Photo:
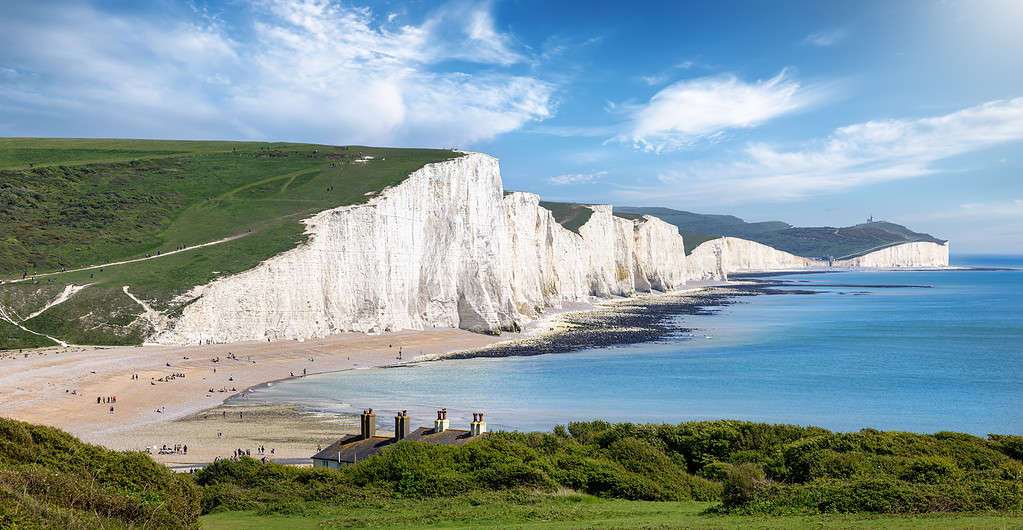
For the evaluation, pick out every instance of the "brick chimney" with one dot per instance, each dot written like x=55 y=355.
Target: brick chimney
x=478 y=425
x=441 y=423
x=401 y=426
x=369 y=424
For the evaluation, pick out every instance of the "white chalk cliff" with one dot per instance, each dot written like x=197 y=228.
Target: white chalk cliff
x=916 y=254
x=447 y=248
x=717 y=258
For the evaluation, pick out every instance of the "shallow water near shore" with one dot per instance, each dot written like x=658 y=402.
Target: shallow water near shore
x=948 y=357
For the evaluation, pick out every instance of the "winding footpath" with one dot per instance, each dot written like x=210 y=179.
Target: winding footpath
x=136 y=260
x=70 y=290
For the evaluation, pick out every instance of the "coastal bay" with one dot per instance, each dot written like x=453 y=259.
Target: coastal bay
x=902 y=358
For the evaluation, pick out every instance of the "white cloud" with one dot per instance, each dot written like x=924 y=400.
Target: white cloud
x=826 y=38
x=653 y=80
x=856 y=155
x=1010 y=209
x=305 y=69
x=576 y=178
x=700 y=109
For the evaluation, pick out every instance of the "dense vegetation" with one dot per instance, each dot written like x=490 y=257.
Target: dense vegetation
x=50 y=479
x=70 y=203
x=728 y=469
x=812 y=242
x=750 y=468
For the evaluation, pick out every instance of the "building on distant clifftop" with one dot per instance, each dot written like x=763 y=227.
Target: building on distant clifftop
x=356 y=447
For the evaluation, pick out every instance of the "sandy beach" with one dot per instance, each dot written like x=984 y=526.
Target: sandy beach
x=60 y=386
x=175 y=395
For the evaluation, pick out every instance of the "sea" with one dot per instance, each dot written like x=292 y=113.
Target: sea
x=946 y=357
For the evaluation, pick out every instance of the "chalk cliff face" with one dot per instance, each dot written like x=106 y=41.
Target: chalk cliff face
x=918 y=254
x=715 y=259
x=610 y=256
x=444 y=248
x=424 y=253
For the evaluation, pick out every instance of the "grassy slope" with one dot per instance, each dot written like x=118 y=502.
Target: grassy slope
x=705 y=223
x=569 y=215
x=49 y=479
x=12 y=337
x=572 y=511
x=844 y=242
x=99 y=201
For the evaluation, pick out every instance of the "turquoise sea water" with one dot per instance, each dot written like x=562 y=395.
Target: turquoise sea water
x=923 y=360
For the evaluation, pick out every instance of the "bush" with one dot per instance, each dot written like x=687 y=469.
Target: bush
x=742 y=482
x=49 y=478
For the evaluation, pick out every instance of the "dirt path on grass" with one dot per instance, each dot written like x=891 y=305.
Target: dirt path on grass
x=136 y=260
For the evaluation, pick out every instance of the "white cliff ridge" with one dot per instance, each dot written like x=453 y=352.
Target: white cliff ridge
x=443 y=248
x=916 y=254
x=447 y=248
x=717 y=258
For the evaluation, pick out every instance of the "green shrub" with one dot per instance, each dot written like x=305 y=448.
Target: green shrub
x=931 y=469
x=49 y=478
x=742 y=482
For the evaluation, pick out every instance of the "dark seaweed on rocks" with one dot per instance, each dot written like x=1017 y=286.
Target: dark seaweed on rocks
x=630 y=321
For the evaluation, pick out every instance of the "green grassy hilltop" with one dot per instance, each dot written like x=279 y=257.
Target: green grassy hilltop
x=810 y=242
x=72 y=203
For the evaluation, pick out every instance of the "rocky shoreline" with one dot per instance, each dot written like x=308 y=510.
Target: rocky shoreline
x=633 y=320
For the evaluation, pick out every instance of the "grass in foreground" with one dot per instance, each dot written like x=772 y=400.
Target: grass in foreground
x=720 y=474
x=528 y=510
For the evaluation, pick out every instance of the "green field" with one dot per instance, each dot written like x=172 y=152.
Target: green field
x=570 y=511
x=72 y=203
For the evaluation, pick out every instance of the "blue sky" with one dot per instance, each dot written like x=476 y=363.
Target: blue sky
x=815 y=113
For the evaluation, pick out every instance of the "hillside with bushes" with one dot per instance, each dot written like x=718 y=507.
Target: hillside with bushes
x=700 y=473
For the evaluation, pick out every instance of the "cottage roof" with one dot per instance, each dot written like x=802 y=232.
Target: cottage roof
x=446 y=437
x=354 y=448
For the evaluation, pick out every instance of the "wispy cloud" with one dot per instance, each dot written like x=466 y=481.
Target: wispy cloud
x=576 y=178
x=662 y=77
x=856 y=155
x=303 y=69
x=699 y=109
x=573 y=130
x=1008 y=209
x=826 y=38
